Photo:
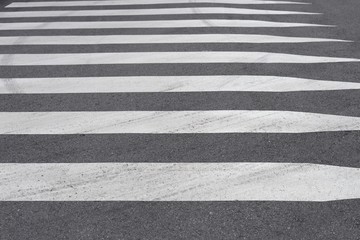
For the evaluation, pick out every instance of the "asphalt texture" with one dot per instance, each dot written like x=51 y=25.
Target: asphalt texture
x=190 y=220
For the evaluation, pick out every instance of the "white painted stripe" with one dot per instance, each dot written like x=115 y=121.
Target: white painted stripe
x=158 y=122
x=173 y=38
x=177 y=182
x=139 y=2
x=161 y=11
x=161 y=58
x=169 y=84
x=152 y=24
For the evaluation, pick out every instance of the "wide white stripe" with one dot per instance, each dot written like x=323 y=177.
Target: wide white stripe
x=177 y=182
x=139 y=2
x=161 y=11
x=152 y=24
x=169 y=84
x=156 y=122
x=161 y=57
x=173 y=38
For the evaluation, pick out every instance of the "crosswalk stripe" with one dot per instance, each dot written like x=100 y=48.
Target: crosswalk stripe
x=177 y=182
x=138 y=2
x=166 y=38
x=169 y=84
x=162 y=57
x=165 y=122
x=205 y=23
x=160 y=11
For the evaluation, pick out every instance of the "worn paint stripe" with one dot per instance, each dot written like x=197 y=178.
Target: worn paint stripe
x=177 y=182
x=206 y=23
x=160 y=11
x=166 y=38
x=157 y=122
x=162 y=57
x=228 y=83
x=137 y=2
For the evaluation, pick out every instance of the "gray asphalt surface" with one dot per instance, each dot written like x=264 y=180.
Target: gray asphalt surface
x=191 y=220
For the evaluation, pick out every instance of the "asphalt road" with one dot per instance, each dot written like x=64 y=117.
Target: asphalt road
x=48 y=219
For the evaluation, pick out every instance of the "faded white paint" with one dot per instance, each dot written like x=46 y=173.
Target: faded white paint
x=165 y=38
x=229 y=83
x=164 y=122
x=159 y=11
x=139 y=2
x=177 y=182
x=153 y=24
x=162 y=58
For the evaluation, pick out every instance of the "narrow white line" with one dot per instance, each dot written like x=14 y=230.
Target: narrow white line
x=173 y=38
x=161 y=11
x=163 y=122
x=177 y=182
x=169 y=84
x=161 y=58
x=138 y=2
x=152 y=24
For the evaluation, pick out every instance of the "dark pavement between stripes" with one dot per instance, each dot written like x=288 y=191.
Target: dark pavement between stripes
x=42 y=209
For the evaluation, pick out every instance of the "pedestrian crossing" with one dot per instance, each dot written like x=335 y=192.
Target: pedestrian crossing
x=247 y=177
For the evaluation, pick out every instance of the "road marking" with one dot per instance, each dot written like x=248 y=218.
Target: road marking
x=177 y=182
x=160 y=11
x=161 y=58
x=165 y=38
x=153 y=24
x=139 y=2
x=169 y=84
x=165 y=122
